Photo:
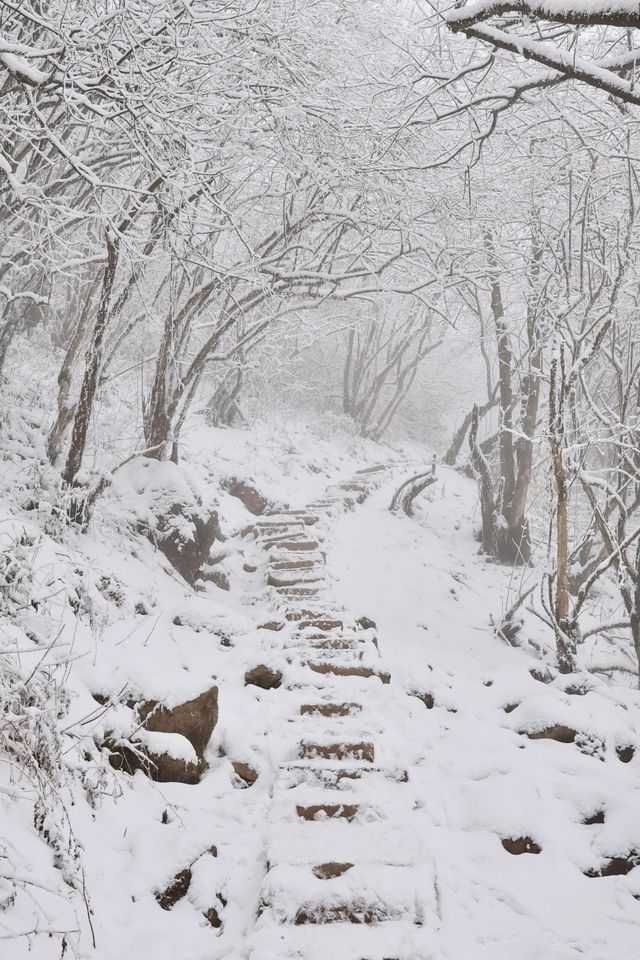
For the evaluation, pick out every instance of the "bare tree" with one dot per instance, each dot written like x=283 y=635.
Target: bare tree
x=383 y=357
x=528 y=28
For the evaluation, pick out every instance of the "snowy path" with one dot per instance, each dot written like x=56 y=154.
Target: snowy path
x=410 y=760
x=348 y=875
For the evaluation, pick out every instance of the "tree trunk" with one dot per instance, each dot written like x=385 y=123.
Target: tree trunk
x=635 y=613
x=455 y=447
x=505 y=362
x=92 y=369
x=485 y=484
x=564 y=623
x=158 y=424
x=66 y=409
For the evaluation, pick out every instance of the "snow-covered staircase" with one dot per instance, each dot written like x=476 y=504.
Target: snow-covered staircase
x=347 y=877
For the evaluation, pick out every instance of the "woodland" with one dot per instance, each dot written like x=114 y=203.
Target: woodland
x=413 y=225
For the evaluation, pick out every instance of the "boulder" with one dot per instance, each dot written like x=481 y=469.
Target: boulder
x=186 y=538
x=171 y=744
x=245 y=772
x=249 y=496
x=195 y=719
x=161 y=501
x=160 y=765
x=264 y=677
x=558 y=732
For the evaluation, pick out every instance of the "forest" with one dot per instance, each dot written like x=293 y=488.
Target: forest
x=319 y=479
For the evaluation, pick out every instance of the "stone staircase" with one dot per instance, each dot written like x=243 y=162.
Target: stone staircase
x=346 y=877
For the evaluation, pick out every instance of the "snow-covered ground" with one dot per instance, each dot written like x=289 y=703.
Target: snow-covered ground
x=477 y=777
x=92 y=621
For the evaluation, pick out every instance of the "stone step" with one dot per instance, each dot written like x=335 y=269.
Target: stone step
x=318 y=623
x=324 y=811
x=311 y=684
x=299 y=563
x=330 y=709
x=337 y=669
x=313 y=750
x=392 y=801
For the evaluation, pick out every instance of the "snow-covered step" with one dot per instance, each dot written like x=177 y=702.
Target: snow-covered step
x=323 y=656
x=279 y=560
x=338 y=776
x=334 y=505
x=387 y=800
x=357 y=895
x=328 y=749
x=355 y=494
x=275 y=528
x=294 y=578
x=301 y=544
x=307 y=842
x=339 y=666
x=315 y=610
x=362 y=726
x=391 y=940
x=285 y=516
x=326 y=644
x=312 y=671
x=313 y=803
x=324 y=810
x=331 y=709
x=333 y=686
x=319 y=621
x=359 y=647
x=295 y=594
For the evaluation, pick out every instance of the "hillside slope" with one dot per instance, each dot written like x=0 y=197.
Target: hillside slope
x=99 y=862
